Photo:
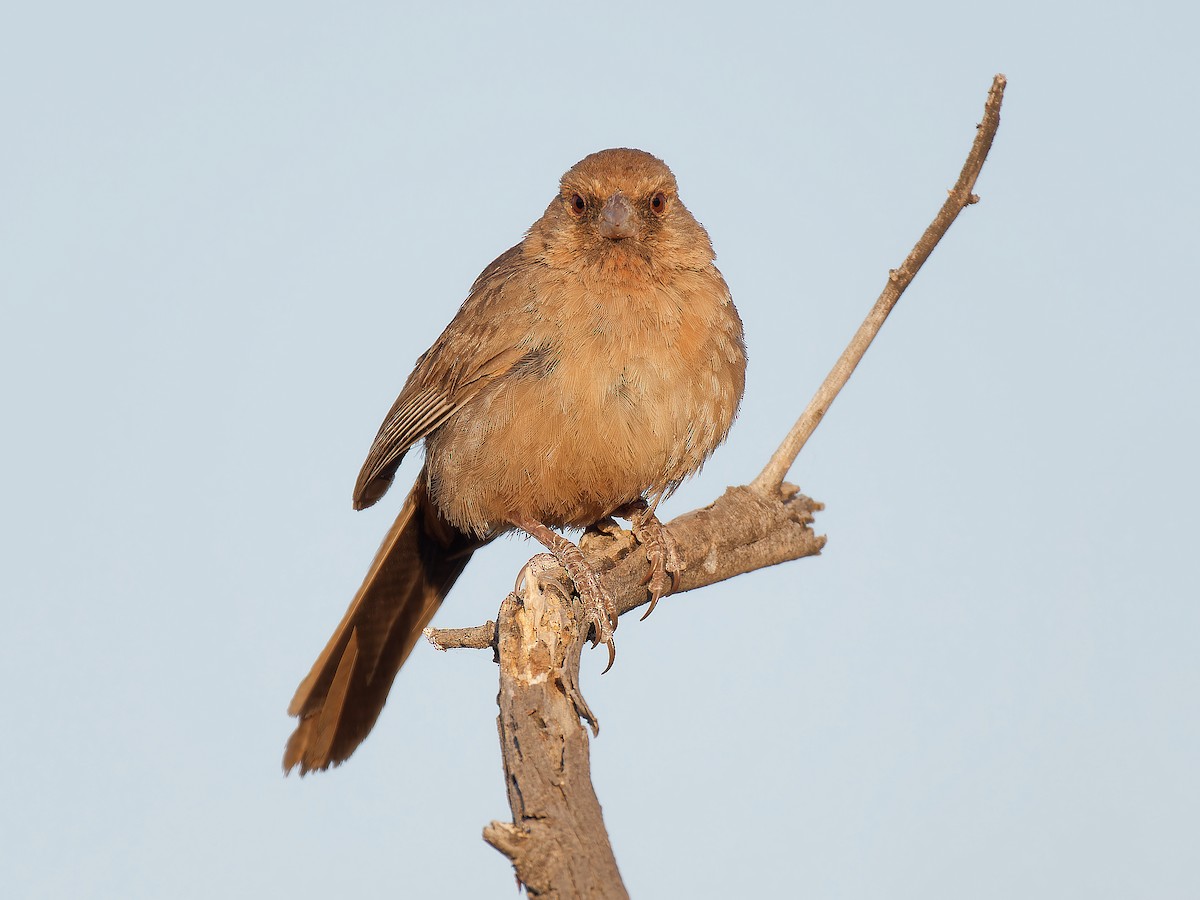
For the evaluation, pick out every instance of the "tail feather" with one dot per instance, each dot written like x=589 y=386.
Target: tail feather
x=338 y=703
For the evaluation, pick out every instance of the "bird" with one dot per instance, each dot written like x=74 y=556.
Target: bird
x=592 y=368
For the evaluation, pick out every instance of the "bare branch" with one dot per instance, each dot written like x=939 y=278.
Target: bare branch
x=741 y=531
x=898 y=279
x=557 y=841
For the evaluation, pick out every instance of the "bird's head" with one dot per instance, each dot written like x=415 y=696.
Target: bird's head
x=619 y=208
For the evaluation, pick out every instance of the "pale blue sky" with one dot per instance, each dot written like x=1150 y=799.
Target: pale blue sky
x=228 y=230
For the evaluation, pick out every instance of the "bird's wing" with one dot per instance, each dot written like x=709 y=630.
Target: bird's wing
x=471 y=353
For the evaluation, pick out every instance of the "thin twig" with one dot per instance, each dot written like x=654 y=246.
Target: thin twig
x=769 y=480
x=480 y=637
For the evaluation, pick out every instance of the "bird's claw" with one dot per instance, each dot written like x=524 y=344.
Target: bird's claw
x=600 y=612
x=666 y=562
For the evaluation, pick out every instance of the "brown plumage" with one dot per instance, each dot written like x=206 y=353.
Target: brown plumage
x=596 y=364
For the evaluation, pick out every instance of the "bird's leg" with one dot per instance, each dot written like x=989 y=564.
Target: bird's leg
x=598 y=605
x=666 y=563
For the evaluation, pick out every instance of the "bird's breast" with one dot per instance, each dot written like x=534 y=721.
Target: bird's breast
x=628 y=392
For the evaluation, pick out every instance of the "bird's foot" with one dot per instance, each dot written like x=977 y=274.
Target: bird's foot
x=666 y=562
x=599 y=609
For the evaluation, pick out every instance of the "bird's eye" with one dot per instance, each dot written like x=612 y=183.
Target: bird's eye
x=658 y=203
x=576 y=204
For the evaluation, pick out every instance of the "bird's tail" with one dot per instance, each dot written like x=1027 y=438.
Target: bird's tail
x=338 y=703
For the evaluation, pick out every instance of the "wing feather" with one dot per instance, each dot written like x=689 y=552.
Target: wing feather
x=470 y=354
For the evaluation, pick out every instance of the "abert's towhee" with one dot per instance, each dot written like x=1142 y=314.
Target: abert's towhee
x=592 y=368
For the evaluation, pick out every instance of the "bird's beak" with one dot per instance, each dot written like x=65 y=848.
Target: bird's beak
x=617 y=218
